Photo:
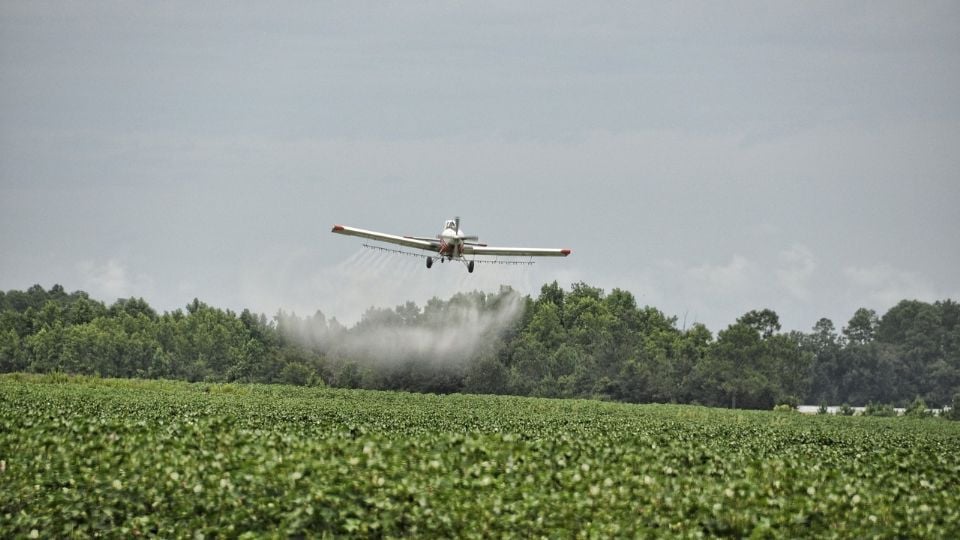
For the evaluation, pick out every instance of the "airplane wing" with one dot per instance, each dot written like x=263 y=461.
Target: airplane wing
x=407 y=241
x=514 y=251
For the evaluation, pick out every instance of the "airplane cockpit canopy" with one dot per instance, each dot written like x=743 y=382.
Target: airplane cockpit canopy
x=450 y=224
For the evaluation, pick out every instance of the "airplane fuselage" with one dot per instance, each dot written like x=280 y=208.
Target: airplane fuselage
x=451 y=242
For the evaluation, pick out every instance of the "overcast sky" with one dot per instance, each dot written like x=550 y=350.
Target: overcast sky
x=711 y=158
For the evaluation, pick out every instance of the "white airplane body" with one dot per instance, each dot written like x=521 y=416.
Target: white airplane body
x=451 y=244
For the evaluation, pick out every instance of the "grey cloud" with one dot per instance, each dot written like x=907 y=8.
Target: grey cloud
x=209 y=148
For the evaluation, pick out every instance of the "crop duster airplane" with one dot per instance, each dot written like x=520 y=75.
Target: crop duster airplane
x=451 y=244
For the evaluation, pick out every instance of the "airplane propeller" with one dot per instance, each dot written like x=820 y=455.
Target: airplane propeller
x=466 y=238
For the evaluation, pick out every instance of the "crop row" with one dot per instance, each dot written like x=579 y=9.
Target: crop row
x=171 y=459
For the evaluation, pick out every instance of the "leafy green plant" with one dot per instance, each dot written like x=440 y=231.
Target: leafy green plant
x=917 y=409
x=954 y=412
x=173 y=459
x=879 y=409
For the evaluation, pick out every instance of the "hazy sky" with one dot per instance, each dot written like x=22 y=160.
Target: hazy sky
x=711 y=158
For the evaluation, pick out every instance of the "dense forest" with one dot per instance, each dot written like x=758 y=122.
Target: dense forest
x=580 y=342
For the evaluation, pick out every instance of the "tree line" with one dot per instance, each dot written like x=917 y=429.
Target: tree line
x=576 y=343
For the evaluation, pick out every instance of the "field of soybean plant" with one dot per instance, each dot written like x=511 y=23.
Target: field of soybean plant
x=86 y=456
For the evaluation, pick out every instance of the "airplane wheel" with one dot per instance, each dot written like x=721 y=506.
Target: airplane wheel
x=429 y=262
x=470 y=267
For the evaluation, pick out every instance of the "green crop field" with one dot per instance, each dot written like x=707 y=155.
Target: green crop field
x=82 y=457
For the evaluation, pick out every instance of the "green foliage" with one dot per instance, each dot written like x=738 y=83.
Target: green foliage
x=917 y=409
x=822 y=409
x=862 y=328
x=737 y=373
x=297 y=374
x=846 y=410
x=170 y=459
x=954 y=412
x=764 y=321
x=879 y=409
x=582 y=343
x=826 y=368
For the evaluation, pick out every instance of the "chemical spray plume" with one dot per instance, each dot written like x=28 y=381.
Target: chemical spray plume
x=441 y=334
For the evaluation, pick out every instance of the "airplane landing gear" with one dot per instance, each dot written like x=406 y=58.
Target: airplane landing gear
x=429 y=262
x=470 y=267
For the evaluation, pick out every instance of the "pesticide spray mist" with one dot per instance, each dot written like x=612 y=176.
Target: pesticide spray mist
x=443 y=333
x=443 y=336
